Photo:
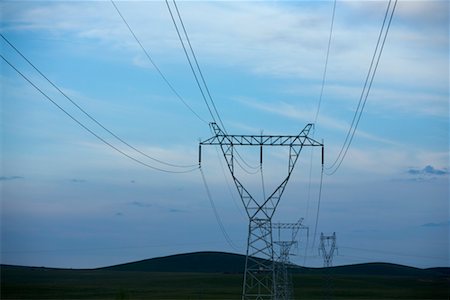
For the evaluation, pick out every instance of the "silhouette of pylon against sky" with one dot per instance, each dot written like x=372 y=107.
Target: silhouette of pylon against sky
x=259 y=275
x=283 y=278
x=327 y=249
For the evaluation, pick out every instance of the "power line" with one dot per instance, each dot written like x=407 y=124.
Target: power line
x=228 y=184
x=155 y=66
x=326 y=63
x=364 y=93
x=244 y=169
x=318 y=208
x=86 y=113
x=200 y=74
x=216 y=214
x=86 y=128
x=317 y=115
x=196 y=63
x=262 y=181
x=190 y=63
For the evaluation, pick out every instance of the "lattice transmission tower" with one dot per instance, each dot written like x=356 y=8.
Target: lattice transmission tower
x=283 y=278
x=327 y=248
x=259 y=275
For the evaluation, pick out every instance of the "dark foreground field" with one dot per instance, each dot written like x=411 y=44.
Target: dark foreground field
x=117 y=283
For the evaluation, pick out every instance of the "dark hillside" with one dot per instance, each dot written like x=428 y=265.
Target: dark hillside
x=382 y=269
x=202 y=275
x=440 y=270
x=220 y=262
x=197 y=262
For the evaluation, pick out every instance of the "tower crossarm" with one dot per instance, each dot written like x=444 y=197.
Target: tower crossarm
x=259 y=276
x=221 y=138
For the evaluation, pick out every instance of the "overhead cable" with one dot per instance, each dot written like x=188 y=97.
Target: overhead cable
x=228 y=184
x=87 y=114
x=89 y=130
x=326 y=63
x=156 y=66
x=314 y=127
x=190 y=63
x=203 y=90
x=365 y=92
x=196 y=63
x=216 y=214
x=318 y=208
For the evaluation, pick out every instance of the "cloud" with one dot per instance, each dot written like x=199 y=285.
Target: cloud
x=175 y=210
x=5 y=178
x=76 y=180
x=432 y=224
x=296 y=113
x=428 y=170
x=139 y=204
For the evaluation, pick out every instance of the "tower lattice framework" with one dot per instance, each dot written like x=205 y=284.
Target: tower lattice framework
x=283 y=278
x=259 y=275
x=327 y=248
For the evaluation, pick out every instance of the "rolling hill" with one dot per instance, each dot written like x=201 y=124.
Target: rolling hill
x=216 y=275
x=221 y=262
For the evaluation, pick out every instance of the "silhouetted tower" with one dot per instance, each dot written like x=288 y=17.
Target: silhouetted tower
x=326 y=248
x=259 y=273
x=283 y=278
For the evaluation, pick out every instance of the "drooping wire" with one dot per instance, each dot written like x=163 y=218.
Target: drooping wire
x=324 y=75
x=86 y=128
x=244 y=169
x=246 y=163
x=200 y=73
x=190 y=62
x=86 y=113
x=228 y=184
x=263 y=184
x=326 y=63
x=318 y=208
x=365 y=93
x=154 y=64
x=306 y=248
x=197 y=64
x=216 y=214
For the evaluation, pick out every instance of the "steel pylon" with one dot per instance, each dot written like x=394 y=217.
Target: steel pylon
x=259 y=275
x=283 y=278
x=327 y=247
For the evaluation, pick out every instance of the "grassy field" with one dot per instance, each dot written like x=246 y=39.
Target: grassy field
x=42 y=283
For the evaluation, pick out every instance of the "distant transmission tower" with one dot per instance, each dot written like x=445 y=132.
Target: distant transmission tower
x=283 y=278
x=326 y=248
x=259 y=276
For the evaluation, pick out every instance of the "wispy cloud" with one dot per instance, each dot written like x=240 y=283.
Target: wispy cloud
x=140 y=204
x=5 y=178
x=440 y=224
x=428 y=170
x=77 y=180
x=305 y=115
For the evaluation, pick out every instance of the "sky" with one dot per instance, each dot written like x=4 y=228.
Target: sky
x=69 y=200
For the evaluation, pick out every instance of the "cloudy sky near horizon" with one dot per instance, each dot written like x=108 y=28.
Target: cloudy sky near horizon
x=68 y=200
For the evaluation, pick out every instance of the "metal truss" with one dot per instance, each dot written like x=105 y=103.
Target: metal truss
x=259 y=273
x=283 y=278
x=326 y=248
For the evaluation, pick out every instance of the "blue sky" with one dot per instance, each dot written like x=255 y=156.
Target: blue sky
x=70 y=201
